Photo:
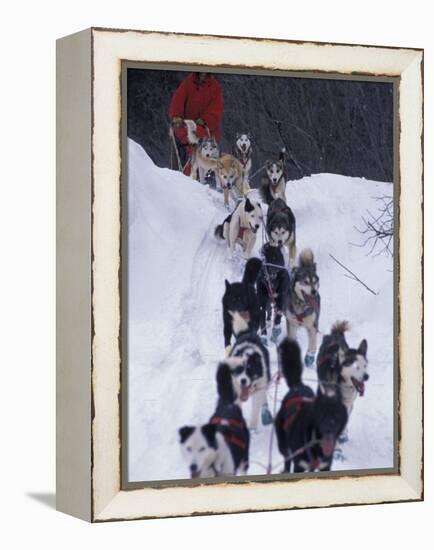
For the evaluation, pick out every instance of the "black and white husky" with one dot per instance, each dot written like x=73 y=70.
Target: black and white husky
x=281 y=226
x=336 y=360
x=249 y=363
x=304 y=303
x=220 y=447
x=241 y=226
x=243 y=152
x=273 y=182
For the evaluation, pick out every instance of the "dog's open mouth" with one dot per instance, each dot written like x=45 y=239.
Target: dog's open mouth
x=244 y=393
x=245 y=315
x=253 y=228
x=195 y=475
x=327 y=444
x=309 y=299
x=360 y=386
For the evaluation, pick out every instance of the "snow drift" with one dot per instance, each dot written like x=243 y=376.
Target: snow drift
x=176 y=272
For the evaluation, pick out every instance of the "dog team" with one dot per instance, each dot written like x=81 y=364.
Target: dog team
x=307 y=424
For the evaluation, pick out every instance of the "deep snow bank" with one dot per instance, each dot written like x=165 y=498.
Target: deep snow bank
x=176 y=280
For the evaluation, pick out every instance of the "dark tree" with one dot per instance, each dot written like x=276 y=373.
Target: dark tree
x=336 y=126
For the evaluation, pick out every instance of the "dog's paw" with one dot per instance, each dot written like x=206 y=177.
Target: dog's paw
x=309 y=358
x=343 y=438
x=228 y=350
x=266 y=416
x=275 y=333
x=338 y=455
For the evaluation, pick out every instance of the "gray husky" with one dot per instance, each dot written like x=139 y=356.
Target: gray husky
x=273 y=182
x=205 y=153
x=281 y=226
x=304 y=302
x=242 y=151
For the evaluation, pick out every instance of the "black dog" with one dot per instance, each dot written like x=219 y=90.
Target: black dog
x=307 y=427
x=229 y=421
x=242 y=298
x=220 y=447
x=272 y=286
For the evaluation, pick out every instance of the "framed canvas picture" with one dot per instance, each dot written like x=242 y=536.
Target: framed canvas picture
x=239 y=274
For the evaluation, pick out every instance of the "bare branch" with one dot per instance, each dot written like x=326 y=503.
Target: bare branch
x=353 y=275
x=378 y=228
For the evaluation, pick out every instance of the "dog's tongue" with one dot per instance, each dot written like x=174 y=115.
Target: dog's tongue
x=328 y=445
x=245 y=315
x=360 y=387
x=195 y=475
x=244 y=393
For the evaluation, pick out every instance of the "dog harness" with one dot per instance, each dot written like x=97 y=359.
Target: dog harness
x=307 y=309
x=229 y=437
x=292 y=407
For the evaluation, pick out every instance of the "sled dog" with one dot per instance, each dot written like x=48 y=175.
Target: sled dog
x=281 y=226
x=241 y=226
x=304 y=302
x=307 y=427
x=349 y=365
x=220 y=447
x=273 y=287
x=249 y=363
x=230 y=175
x=273 y=182
x=242 y=150
x=205 y=153
x=241 y=297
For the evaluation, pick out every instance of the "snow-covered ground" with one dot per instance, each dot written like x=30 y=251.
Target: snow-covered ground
x=176 y=274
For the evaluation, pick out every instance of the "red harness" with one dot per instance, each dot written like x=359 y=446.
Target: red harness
x=230 y=438
x=294 y=404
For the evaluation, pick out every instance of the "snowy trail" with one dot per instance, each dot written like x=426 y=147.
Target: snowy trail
x=175 y=317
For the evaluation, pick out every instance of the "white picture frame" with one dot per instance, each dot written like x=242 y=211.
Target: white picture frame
x=89 y=376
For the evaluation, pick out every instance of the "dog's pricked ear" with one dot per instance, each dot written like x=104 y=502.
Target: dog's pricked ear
x=185 y=432
x=363 y=348
x=227 y=284
x=237 y=135
x=209 y=432
x=248 y=207
x=225 y=388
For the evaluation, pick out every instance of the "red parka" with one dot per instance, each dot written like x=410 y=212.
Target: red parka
x=195 y=99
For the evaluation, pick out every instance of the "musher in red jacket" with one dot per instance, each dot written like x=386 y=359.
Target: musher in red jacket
x=199 y=98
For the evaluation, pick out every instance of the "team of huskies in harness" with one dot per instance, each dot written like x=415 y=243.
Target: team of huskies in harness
x=277 y=286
